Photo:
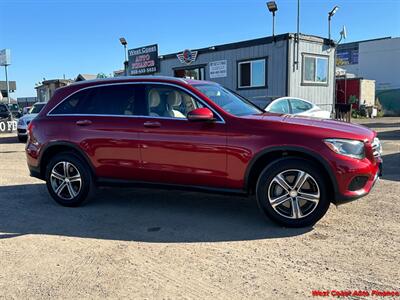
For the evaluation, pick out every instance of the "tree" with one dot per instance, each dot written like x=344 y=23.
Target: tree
x=101 y=75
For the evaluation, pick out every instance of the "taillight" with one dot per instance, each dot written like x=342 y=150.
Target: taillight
x=30 y=127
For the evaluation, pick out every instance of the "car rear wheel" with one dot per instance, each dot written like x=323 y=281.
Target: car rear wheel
x=292 y=192
x=68 y=179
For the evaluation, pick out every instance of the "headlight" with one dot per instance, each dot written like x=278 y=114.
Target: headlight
x=351 y=148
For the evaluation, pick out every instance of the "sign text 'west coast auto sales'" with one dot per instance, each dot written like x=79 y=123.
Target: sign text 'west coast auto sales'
x=143 y=60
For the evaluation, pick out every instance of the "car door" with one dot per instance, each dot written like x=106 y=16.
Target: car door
x=175 y=150
x=103 y=122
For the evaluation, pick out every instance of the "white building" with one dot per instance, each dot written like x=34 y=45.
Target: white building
x=378 y=60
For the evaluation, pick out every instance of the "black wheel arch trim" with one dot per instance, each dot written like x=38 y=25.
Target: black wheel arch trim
x=305 y=151
x=65 y=144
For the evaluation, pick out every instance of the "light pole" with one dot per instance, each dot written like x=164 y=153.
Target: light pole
x=8 y=85
x=272 y=7
x=330 y=15
x=343 y=35
x=125 y=43
x=5 y=60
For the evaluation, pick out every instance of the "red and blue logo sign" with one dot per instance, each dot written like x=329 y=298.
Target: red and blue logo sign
x=187 y=56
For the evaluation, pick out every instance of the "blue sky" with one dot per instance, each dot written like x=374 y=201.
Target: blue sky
x=53 y=38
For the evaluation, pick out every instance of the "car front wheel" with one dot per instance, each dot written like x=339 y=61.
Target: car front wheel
x=68 y=179
x=292 y=192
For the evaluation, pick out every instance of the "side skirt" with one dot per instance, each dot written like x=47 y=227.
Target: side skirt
x=102 y=181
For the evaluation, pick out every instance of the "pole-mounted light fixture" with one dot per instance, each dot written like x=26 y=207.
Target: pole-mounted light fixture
x=124 y=43
x=272 y=7
x=330 y=15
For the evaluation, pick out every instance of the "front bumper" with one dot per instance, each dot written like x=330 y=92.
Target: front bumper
x=349 y=196
x=21 y=130
x=35 y=172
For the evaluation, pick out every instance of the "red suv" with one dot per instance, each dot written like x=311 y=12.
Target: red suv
x=178 y=133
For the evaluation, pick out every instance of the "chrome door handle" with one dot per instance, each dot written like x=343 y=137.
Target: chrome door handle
x=152 y=124
x=83 y=122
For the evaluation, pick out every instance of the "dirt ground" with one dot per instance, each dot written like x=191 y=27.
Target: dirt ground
x=136 y=243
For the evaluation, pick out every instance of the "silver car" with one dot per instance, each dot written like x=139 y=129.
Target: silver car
x=24 y=121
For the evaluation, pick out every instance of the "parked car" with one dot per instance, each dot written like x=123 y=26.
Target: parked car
x=296 y=106
x=5 y=114
x=180 y=133
x=24 y=121
x=15 y=110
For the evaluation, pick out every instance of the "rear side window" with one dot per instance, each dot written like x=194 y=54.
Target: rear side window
x=299 y=106
x=106 y=100
x=280 y=107
x=70 y=105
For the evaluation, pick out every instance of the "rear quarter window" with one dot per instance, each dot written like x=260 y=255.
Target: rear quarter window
x=121 y=100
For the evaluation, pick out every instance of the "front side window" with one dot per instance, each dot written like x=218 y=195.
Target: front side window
x=279 y=107
x=315 y=69
x=251 y=74
x=299 y=106
x=170 y=102
x=228 y=101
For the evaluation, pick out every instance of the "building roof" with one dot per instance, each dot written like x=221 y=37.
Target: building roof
x=82 y=77
x=12 y=85
x=354 y=45
x=50 y=81
x=256 y=42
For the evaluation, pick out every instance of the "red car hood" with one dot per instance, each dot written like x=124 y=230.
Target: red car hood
x=342 y=129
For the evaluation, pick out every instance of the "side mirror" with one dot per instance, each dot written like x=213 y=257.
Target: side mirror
x=200 y=114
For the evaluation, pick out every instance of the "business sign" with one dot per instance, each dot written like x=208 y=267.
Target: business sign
x=5 y=57
x=187 y=56
x=347 y=57
x=218 y=69
x=143 y=60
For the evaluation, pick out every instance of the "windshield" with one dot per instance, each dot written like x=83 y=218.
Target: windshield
x=228 y=101
x=13 y=107
x=36 y=108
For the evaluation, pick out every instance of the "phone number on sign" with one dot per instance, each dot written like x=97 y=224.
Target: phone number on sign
x=355 y=293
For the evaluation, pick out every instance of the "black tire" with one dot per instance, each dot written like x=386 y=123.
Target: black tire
x=85 y=173
x=22 y=139
x=267 y=183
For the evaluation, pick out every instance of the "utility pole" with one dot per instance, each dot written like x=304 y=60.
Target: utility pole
x=125 y=43
x=8 y=85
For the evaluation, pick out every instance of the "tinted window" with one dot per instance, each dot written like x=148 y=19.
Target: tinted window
x=280 y=107
x=70 y=106
x=167 y=101
x=245 y=74
x=299 y=106
x=106 y=100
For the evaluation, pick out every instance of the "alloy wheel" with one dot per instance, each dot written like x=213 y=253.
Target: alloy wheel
x=66 y=180
x=293 y=194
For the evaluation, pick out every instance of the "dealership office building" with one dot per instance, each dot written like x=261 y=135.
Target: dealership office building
x=278 y=66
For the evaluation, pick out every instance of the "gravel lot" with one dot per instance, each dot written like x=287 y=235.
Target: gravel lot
x=136 y=243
